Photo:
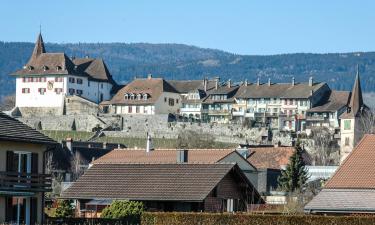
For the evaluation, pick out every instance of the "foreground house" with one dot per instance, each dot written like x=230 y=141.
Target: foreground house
x=22 y=182
x=47 y=79
x=220 y=187
x=351 y=190
x=147 y=96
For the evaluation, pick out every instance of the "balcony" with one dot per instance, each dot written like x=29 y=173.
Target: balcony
x=238 y=113
x=316 y=118
x=14 y=181
x=266 y=114
x=217 y=111
x=188 y=110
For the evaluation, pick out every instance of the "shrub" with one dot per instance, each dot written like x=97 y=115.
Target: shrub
x=123 y=209
x=64 y=209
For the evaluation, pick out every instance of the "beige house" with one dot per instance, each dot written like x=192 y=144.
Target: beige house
x=22 y=182
x=147 y=96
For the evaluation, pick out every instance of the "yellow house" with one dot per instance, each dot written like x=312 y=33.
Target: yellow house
x=22 y=182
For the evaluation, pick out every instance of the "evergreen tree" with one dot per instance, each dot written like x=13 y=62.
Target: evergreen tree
x=64 y=209
x=294 y=178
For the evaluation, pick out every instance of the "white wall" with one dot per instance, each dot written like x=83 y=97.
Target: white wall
x=51 y=99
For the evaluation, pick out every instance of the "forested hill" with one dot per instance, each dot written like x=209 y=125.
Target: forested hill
x=177 y=61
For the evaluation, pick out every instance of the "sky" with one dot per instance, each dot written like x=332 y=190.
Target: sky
x=252 y=27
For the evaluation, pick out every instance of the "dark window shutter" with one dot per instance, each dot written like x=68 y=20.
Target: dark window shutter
x=34 y=163
x=9 y=163
x=33 y=210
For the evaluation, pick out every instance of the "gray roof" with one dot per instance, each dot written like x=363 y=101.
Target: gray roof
x=279 y=90
x=154 y=182
x=185 y=86
x=343 y=201
x=335 y=101
x=14 y=130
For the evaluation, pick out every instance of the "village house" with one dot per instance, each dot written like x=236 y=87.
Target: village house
x=219 y=187
x=351 y=190
x=48 y=79
x=217 y=106
x=279 y=106
x=22 y=179
x=147 y=96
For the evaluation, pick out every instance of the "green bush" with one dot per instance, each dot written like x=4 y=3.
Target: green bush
x=123 y=209
x=64 y=209
x=249 y=219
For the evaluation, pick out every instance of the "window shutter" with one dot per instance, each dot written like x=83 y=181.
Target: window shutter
x=9 y=163
x=34 y=163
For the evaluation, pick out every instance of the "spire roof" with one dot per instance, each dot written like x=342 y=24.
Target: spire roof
x=39 y=47
x=356 y=100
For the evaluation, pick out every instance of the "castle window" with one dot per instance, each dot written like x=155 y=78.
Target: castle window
x=30 y=68
x=139 y=96
x=171 y=102
x=44 y=68
x=41 y=91
x=347 y=140
x=137 y=109
x=72 y=80
x=132 y=96
x=101 y=85
x=58 y=90
x=79 y=81
x=126 y=96
x=347 y=124
x=58 y=79
x=58 y=68
x=144 y=96
x=71 y=91
x=25 y=90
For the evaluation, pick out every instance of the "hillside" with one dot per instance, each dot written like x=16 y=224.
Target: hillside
x=176 y=61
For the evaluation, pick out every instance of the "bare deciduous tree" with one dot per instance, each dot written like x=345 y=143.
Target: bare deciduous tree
x=367 y=122
x=8 y=102
x=324 y=147
x=192 y=139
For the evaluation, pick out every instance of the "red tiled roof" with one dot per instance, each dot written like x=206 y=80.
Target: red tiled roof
x=358 y=170
x=270 y=157
x=128 y=156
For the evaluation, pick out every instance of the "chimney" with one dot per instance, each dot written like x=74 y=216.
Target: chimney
x=69 y=144
x=229 y=83
x=149 y=147
x=205 y=84
x=258 y=81
x=245 y=82
x=293 y=81
x=149 y=76
x=182 y=155
x=311 y=81
x=269 y=81
x=217 y=80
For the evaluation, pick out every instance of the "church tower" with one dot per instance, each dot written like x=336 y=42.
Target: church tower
x=350 y=125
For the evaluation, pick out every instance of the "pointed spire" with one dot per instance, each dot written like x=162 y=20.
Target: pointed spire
x=356 y=100
x=39 y=46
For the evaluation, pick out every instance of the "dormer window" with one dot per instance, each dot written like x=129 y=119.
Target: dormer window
x=144 y=96
x=44 y=68
x=132 y=96
x=126 y=96
x=30 y=68
x=139 y=96
x=58 y=68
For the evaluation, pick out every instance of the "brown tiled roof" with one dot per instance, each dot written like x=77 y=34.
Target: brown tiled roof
x=154 y=87
x=335 y=101
x=163 y=182
x=358 y=170
x=279 y=90
x=14 y=130
x=163 y=156
x=42 y=63
x=185 y=86
x=270 y=157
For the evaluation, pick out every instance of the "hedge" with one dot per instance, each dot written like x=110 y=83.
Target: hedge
x=249 y=219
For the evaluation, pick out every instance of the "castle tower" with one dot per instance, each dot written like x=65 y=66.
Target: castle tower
x=350 y=124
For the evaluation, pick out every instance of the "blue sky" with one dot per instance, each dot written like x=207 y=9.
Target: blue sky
x=239 y=26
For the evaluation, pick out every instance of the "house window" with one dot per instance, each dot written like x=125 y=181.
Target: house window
x=347 y=141
x=139 y=96
x=130 y=109
x=126 y=96
x=24 y=80
x=171 y=102
x=79 y=81
x=41 y=91
x=71 y=91
x=176 y=101
x=79 y=92
x=58 y=79
x=25 y=90
x=347 y=124
x=137 y=109
x=58 y=90
x=101 y=85
x=165 y=99
x=144 y=96
x=72 y=80
x=88 y=83
x=42 y=79
x=132 y=96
